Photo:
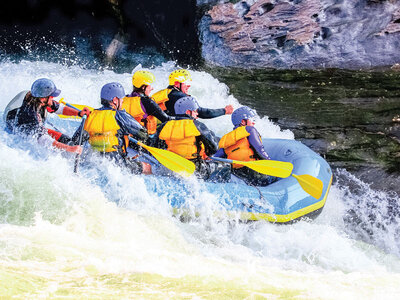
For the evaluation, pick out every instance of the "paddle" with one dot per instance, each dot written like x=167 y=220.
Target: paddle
x=79 y=143
x=309 y=184
x=169 y=159
x=268 y=167
x=75 y=106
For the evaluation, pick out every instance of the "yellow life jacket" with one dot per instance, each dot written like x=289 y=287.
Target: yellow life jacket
x=133 y=106
x=102 y=128
x=180 y=136
x=237 y=146
x=161 y=97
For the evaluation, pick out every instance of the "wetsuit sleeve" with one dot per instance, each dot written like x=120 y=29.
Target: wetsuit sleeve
x=209 y=113
x=129 y=125
x=220 y=153
x=152 y=109
x=256 y=142
x=208 y=138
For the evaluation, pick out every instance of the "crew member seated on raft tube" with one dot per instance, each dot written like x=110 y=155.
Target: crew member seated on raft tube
x=140 y=106
x=244 y=143
x=109 y=127
x=29 y=119
x=179 y=84
x=190 y=138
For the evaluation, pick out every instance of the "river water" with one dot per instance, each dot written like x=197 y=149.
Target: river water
x=64 y=235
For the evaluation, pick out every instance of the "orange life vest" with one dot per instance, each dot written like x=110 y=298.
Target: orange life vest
x=180 y=136
x=133 y=106
x=161 y=97
x=102 y=128
x=237 y=146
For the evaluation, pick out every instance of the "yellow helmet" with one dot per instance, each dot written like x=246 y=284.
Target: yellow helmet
x=142 y=77
x=181 y=76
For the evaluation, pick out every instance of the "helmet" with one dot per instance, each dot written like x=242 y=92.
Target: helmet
x=142 y=77
x=184 y=104
x=111 y=90
x=181 y=76
x=44 y=87
x=242 y=113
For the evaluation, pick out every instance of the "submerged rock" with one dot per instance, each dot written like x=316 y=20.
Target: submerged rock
x=288 y=34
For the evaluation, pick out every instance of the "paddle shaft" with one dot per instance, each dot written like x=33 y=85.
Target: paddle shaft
x=168 y=159
x=79 y=143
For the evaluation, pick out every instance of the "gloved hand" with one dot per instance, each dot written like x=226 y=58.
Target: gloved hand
x=228 y=109
x=146 y=168
x=75 y=149
x=85 y=111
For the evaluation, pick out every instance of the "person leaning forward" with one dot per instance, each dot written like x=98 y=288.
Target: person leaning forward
x=139 y=105
x=29 y=119
x=179 y=84
x=244 y=143
x=188 y=137
x=109 y=127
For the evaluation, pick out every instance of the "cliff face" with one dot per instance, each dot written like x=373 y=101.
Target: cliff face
x=348 y=34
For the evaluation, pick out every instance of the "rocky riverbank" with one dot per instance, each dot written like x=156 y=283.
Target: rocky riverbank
x=350 y=117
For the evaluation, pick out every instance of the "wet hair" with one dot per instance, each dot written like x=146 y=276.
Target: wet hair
x=139 y=90
x=33 y=101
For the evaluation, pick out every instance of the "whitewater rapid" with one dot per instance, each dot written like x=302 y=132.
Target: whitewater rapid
x=68 y=235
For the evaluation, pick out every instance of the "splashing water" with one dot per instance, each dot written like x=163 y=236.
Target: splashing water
x=66 y=235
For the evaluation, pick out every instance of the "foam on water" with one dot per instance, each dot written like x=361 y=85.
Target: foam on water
x=63 y=234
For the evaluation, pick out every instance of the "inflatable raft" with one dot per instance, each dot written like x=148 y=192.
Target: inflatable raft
x=283 y=201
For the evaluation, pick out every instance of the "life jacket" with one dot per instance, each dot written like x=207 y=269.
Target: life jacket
x=236 y=146
x=180 y=136
x=102 y=128
x=133 y=106
x=161 y=97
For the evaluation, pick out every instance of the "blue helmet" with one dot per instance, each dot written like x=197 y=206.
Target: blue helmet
x=184 y=104
x=111 y=90
x=242 y=113
x=44 y=87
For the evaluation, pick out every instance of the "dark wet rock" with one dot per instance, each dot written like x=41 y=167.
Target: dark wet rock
x=302 y=34
x=349 y=117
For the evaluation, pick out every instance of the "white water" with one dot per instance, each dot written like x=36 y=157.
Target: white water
x=61 y=235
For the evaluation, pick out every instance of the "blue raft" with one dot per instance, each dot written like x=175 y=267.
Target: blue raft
x=282 y=201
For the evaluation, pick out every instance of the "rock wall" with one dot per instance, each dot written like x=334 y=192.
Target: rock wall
x=287 y=34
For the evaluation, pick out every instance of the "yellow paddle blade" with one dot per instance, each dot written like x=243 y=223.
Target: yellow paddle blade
x=171 y=160
x=310 y=184
x=275 y=168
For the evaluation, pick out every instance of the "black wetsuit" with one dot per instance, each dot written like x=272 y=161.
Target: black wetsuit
x=29 y=119
x=204 y=113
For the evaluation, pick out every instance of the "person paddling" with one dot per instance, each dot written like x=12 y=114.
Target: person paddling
x=188 y=137
x=29 y=119
x=244 y=143
x=109 y=127
x=179 y=84
x=139 y=105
